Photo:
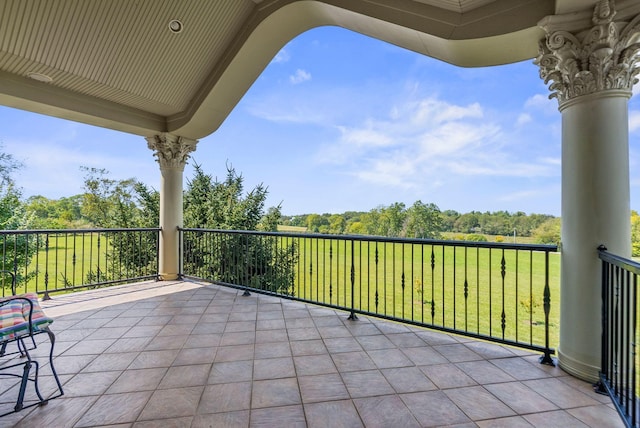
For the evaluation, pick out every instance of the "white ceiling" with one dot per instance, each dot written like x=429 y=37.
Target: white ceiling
x=117 y=64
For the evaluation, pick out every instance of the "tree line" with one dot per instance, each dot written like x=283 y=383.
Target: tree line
x=422 y=220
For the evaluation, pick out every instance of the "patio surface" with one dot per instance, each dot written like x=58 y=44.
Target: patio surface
x=184 y=354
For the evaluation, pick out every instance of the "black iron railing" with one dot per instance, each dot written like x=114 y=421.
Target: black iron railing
x=619 y=373
x=497 y=292
x=49 y=261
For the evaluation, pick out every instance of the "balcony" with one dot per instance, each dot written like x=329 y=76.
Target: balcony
x=272 y=329
x=196 y=354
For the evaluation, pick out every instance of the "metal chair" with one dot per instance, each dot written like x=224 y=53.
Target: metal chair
x=21 y=320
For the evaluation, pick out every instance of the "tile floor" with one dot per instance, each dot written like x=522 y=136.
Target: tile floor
x=183 y=354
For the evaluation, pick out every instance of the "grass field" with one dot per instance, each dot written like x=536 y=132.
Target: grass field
x=74 y=259
x=484 y=291
x=463 y=288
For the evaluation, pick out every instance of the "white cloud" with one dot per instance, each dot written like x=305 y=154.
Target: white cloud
x=281 y=57
x=426 y=140
x=523 y=119
x=299 y=77
x=53 y=169
x=542 y=103
x=365 y=137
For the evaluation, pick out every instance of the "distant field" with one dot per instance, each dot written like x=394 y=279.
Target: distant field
x=491 y=238
x=293 y=229
x=455 y=236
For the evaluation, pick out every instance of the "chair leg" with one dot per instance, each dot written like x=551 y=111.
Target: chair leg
x=52 y=339
x=23 y=385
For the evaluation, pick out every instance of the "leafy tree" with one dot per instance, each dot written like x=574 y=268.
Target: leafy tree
x=392 y=220
x=548 y=232
x=16 y=249
x=423 y=221
x=337 y=224
x=316 y=222
x=109 y=203
x=635 y=234
x=257 y=261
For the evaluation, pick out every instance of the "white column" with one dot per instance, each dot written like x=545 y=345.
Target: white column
x=172 y=153
x=592 y=70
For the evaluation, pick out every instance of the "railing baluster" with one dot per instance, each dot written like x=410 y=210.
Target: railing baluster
x=618 y=374
x=312 y=267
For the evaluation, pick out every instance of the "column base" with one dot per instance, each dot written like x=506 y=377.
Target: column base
x=168 y=276
x=578 y=369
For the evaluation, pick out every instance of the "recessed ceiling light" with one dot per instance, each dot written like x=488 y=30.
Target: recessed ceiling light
x=175 y=26
x=39 y=77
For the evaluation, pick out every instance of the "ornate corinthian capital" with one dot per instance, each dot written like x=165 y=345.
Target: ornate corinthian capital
x=171 y=151
x=600 y=58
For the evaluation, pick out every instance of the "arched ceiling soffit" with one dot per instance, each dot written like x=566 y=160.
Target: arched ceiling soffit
x=494 y=32
x=115 y=64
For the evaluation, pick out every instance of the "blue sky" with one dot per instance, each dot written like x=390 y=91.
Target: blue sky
x=342 y=122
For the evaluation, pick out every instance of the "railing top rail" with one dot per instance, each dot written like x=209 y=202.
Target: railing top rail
x=627 y=264
x=76 y=231
x=372 y=238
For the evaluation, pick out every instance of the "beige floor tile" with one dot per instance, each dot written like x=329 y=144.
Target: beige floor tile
x=367 y=383
x=334 y=414
x=307 y=333
x=172 y=403
x=562 y=394
x=231 y=371
x=372 y=342
x=597 y=416
x=189 y=356
x=484 y=372
x=61 y=412
x=226 y=397
x=308 y=347
x=114 y=409
x=238 y=419
x=353 y=361
x=389 y=358
x=235 y=353
x=151 y=359
x=558 y=418
x=508 y=422
x=183 y=376
x=433 y=408
x=446 y=376
x=520 y=369
x=478 y=404
x=520 y=398
x=342 y=344
x=138 y=380
x=457 y=353
x=275 y=393
x=385 y=411
x=307 y=365
x=424 y=356
x=109 y=362
x=270 y=336
x=408 y=379
x=275 y=417
x=406 y=340
x=87 y=384
x=325 y=387
x=273 y=368
x=184 y=422
x=272 y=350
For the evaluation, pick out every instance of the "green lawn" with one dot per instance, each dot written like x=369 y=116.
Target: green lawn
x=464 y=289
